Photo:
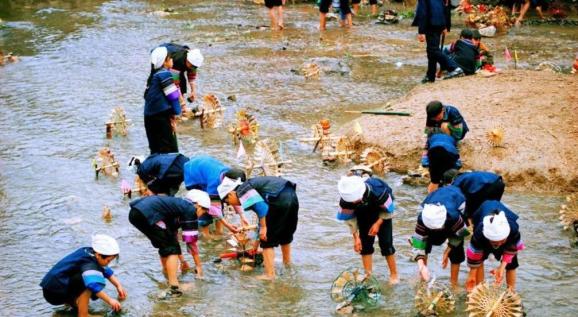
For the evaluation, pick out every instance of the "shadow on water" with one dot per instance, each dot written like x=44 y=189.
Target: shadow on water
x=83 y=58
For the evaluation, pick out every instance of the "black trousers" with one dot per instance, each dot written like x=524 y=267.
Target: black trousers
x=435 y=55
x=160 y=134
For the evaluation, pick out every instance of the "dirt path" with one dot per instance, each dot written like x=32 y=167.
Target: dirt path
x=537 y=110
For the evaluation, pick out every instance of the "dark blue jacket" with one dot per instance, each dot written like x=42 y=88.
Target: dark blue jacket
x=443 y=140
x=81 y=261
x=378 y=199
x=179 y=56
x=157 y=167
x=490 y=207
x=472 y=182
x=162 y=94
x=432 y=15
x=174 y=212
x=452 y=116
x=449 y=196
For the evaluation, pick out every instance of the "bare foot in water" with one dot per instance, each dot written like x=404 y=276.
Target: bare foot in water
x=393 y=280
x=265 y=277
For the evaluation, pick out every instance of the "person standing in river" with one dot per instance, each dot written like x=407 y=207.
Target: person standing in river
x=186 y=61
x=162 y=173
x=276 y=13
x=275 y=202
x=367 y=207
x=161 y=104
x=433 y=19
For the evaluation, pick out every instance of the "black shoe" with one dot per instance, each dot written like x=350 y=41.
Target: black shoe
x=426 y=80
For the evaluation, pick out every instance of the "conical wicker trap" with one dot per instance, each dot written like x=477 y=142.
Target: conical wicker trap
x=266 y=160
x=211 y=112
x=118 y=123
x=375 y=159
x=352 y=287
x=492 y=301
x=344 y=150
x=246 y=128
x=311 y=71
x=104 y=162
x=495 y=137
x=434 y=299
x=569 y=213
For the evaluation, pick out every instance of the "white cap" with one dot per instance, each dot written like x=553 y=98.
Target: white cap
x=195 y=58
x=496 y=227
x=227 y=186
x=199 y=197
x=434 y=216
x=351 y=188
x=132 y=166
x=105 y=245
x=361 y=167
x=158 y=56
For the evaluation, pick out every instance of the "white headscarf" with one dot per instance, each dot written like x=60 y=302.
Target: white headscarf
x=434 y=215
x=158 y=56
x=351 y=188
x=496 y=227
x=105 y=245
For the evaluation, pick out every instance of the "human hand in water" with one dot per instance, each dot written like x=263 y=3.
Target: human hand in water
x=421 y=37
x=498 y=274
x=114 y=304
x=121 y=292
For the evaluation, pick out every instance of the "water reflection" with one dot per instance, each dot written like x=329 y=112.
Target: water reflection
x=91 y=57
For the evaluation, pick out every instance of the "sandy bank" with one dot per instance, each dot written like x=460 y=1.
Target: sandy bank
x=538 y=111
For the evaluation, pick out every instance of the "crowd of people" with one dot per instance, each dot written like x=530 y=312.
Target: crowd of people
x=458 y=205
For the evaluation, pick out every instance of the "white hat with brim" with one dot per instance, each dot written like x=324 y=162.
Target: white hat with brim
x=158 y=56
x=496 y=227
x=199 y=197
x=105 y=245
x=434 y=216
x=195 y=58
x=227 y=186
x=351 y=188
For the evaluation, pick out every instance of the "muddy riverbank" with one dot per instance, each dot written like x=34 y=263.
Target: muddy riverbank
x=537 y=110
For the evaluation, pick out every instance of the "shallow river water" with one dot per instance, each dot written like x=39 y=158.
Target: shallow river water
x=80 y=59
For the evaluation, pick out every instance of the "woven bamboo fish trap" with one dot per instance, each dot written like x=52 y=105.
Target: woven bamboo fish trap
x=376 y=159
x=246 y=128
x=118 y=123
x=311 y=71
x=569 y=213
x=267 y=159
x=493 y=301
x=433 y=299
x=104 y=162
x=495 y=137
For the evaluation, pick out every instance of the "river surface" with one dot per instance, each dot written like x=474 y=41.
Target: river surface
x=80 y=59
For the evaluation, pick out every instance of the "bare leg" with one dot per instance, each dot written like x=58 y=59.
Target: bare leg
x=322 y=21
x=523 y=11
x=164 y=266
x=348 y=21
x=82 y=303
x=172 y=264
x=480 y=274
x=286 y=251
x=393 y=278
x=540 y=13
x=356 y=8
x=205 y=232
x=511 y=279
x=454 y=271
x=374 y=9
x=269 y=263
x=274 y=25
x=218 y=228
x=367 y=260
x=280 y=19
